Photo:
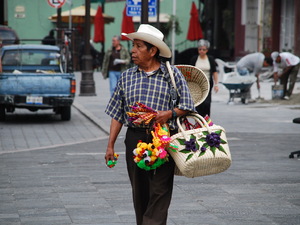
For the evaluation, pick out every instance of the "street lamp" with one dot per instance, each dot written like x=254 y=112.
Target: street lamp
x=87 y=84
x=144 y=14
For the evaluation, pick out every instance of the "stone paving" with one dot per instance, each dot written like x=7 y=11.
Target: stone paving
x=70 y=184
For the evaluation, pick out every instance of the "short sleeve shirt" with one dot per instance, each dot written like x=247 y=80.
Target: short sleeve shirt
x=287 y=59
x=253 y=62
x=152 y=90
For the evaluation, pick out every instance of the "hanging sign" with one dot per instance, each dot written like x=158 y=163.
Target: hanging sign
x=56 y=3
x=134 y=7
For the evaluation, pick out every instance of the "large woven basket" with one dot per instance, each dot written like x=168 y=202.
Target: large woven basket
x=197 y=82
x=191 y=163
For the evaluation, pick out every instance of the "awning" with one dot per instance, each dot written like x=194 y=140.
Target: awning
x=78 y=16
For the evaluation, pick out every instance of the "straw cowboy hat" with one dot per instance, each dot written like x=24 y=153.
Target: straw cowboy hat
x=153 y=36
x=197 y=82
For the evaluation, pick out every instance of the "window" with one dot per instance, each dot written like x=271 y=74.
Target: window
x=31 y=57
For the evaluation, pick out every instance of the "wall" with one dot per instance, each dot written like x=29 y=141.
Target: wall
x=297 y=28
x=33 y=22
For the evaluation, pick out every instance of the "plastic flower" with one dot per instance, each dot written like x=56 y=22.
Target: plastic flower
x=202 y=149
x=191 y=145
x=213 y=140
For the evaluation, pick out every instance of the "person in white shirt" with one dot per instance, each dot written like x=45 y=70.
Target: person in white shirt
x=290 y=65
x=252 y=64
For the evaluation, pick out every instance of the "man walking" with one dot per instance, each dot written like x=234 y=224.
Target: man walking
x=115 y=61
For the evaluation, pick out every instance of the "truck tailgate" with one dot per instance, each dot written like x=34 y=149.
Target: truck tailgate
x=35 y=84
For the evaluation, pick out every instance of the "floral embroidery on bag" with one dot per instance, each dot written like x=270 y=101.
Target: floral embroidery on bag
x=212 y=141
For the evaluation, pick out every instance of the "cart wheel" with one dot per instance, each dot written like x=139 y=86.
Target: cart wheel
x=244 y=100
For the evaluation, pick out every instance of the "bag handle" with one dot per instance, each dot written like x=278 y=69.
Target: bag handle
x=171 y=75
x=174 y=92
x=198 y=118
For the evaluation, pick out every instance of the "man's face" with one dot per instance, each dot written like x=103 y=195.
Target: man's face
x=139 y=52
x=115 y=42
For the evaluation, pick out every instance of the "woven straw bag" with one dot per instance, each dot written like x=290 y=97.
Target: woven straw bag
x=201 y=151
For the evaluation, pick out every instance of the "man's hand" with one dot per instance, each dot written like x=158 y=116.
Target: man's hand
x=109 y=154
x=115 y=128
x=163 y=116
x=216 y=88
x=276 y=77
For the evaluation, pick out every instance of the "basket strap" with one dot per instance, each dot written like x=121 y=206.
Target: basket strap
x=174 y=91
x=171 y=75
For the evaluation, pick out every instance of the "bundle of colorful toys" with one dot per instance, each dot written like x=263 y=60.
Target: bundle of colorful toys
x=149 y=156
x=141 y=114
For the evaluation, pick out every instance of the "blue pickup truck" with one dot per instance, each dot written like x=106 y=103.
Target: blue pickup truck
x=32 y=77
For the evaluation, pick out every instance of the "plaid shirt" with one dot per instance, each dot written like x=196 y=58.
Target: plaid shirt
x=152 y=90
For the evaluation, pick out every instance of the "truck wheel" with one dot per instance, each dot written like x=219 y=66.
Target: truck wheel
x=66 y=113
x=2 y=112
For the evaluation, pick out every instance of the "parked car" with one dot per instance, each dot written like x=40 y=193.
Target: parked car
x=8 y=36
x=33 y=78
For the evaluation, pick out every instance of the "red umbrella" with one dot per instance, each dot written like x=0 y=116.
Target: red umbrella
x=195 y=30
x=99 y=26
x=127 y=25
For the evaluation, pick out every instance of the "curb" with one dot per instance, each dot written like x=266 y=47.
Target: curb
x=98 y=122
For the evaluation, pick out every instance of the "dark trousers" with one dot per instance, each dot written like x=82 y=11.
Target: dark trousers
x=204 y=108
x=151 y=190
x=292 y=77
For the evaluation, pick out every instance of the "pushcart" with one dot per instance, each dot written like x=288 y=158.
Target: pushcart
x=238 y=86
x=241 y=90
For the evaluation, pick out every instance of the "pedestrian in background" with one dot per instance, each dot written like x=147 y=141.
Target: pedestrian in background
x=290 y=65
x=207 y=64
x=252 y=64
x=115 y=61
x=149 y=83
x=49 y=39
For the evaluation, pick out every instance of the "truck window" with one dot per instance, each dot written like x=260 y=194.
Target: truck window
x=11 y=58
x=30 y=57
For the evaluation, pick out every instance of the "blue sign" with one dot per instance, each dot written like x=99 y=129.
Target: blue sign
x=134 y=7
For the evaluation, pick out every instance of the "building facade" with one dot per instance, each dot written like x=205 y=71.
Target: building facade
x=266 y=26
x=233 y=27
